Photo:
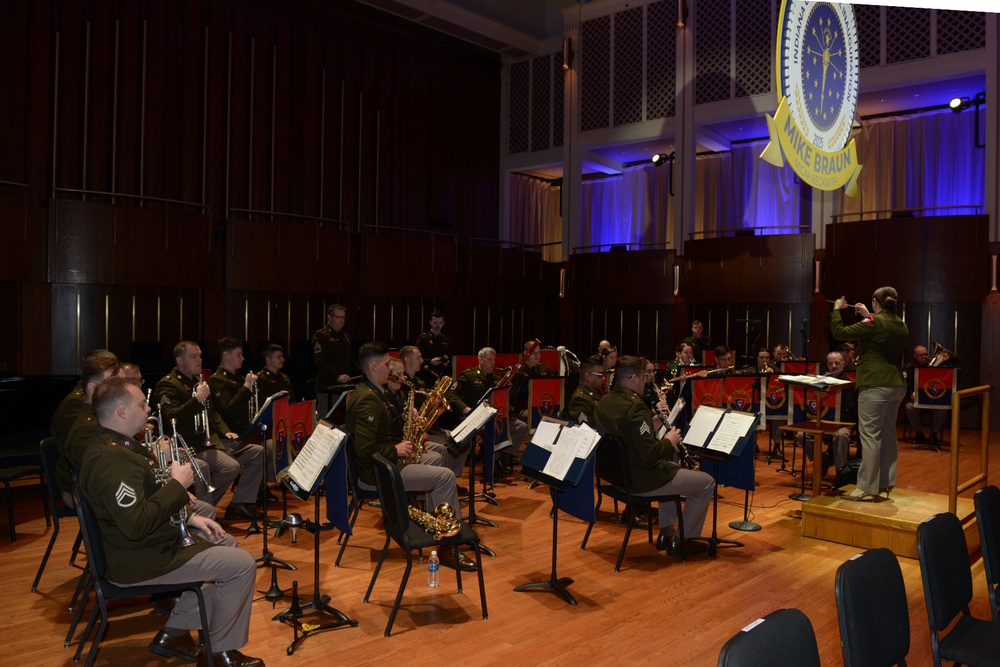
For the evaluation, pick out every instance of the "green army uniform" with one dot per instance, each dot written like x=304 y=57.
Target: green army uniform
x=333 y=355
x=181 y=405
x=231 y=399
x=470 y=386
x=582 y=404
x=432 y=346
x=269 y=384
x=62 y=423
x=698 y=345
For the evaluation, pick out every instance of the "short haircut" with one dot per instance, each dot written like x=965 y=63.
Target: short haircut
x=330 y=309
x=437 y=313
x=370 y=351
x=845 y=347
x=591 y=364
x=780 y=346
x=408 y=351
x=136 y=374
x=270 y=349
x=627 y=365
x=182 y=347
x=111 y=393
x=229 y=344
x=96 y=364
x=694 y=322
x=486 y=350
x=682 y=345
x=721 y=351
x=528 y=344
x=605 y=351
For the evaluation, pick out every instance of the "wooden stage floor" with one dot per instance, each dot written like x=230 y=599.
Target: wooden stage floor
x=656 y=609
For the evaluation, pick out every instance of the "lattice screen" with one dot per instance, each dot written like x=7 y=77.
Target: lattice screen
x=541 y=102
x=628 y=66
x=907 y=34
x=869 y=20
x=519 y=96
x=558 y=99
x=754 y=47
x=960 y=31
x=661 y=59
x=711 y=51
x=594 y=78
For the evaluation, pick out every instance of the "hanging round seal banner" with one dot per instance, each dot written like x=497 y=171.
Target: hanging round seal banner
x=816 y=79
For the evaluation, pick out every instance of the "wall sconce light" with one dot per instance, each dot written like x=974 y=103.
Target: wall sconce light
x=567 y=53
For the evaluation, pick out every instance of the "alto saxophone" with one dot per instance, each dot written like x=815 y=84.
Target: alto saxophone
x=440 y=524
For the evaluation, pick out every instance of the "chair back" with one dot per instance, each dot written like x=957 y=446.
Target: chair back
x=944 y=568
x=612 y=463
x=784 y=637
x=393 y=498
x=987 y=502
x=352 y=467
x=90 y=528
x=50 y=458
x=871 y=606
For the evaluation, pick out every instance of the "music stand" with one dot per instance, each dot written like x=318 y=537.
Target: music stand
x=323 y=452
x=466 y=432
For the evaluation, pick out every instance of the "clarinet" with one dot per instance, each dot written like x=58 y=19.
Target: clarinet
x=653 y=399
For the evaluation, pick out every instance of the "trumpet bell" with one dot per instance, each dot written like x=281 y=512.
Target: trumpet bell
x=942 y=355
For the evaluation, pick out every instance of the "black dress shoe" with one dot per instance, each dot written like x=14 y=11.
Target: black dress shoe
x=229 y=659
x=182 y=647
x=238 y=511
x=691 y=548
x=664 y=539
x=919 y=439
x=448 y=560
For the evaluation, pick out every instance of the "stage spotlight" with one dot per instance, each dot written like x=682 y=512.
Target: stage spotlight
x=959 y=104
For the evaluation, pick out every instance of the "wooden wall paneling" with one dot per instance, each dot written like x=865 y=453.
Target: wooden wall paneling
x=284 y=173
x=650 y=276
x=196 y=257
x=160 y=87
x=140 y=242
x=413 y=153
x=146 y=304
x=13 y=109
x=785 y=268
x=198 y=321
x=217 y=109
x=10 y=335
x=170 y=318
x=583 y=278
x=956 y=264
x=119 y=318
x=331 y=191
x=850 y=260
x=338 y=260
x=38 y=66
x=895 y=239
x=241 y=80
x=72 y=29
x=299 y=144
x=483 y=271
x=24 y=234
x=249 y=242
x=213 y=317
x=126 y=173
x=99 y=104
x=294 y=257
x=382 y=265
x=36 y=313
x=441 y=269
x=81 y=242
x=298 y=323
x=262 y=96
x=184 y=148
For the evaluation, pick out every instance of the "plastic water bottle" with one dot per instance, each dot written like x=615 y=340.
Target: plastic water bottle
x=433 y=565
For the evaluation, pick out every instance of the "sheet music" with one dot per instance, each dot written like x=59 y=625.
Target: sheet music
x=702 y=424
x=545 y=435
x=675 y=411
x=818 y=381
x=588 y=439
x=731 y=428
x=474 y=421
x=563 y=454
x=316 y=454
x=270 y=399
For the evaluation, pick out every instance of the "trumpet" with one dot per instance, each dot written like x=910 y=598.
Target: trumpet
x=181 y=447
x=162 y=474
x=253 y=406
x=201 y=420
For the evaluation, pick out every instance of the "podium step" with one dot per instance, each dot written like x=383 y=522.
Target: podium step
x=891 y=523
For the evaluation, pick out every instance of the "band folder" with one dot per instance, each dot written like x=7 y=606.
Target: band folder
x=550 y=435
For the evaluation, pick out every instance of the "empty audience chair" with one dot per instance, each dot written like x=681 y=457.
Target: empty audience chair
x=411 y=536
x=947 y=577
x=988 y=519
x=615 y=481
x=871 y=606
x=8 y=475
x=783 y=638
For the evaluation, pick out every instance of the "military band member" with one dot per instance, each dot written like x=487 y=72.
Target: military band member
x=376 y=431
x=97 y=366
x=624 y=413
x=134 y=511
x=413 y=362
x=723 y=357
x=473 y=383
x=333 y=355
x=609 y=357
x=182 y=395
x=231 y=393
x=588 y=392
x=271 y=380
x=921 y=359
x=781 y=353
x=529 y=370
x=764 y=362
x=435 y=348
x=840 y=442
x=698 y=340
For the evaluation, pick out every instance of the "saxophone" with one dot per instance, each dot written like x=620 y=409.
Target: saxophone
x=416 y=428
x=440 y=524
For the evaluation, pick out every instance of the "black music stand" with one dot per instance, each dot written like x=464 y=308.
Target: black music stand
x=733 y=468
x=468 y=440
x=532 y=462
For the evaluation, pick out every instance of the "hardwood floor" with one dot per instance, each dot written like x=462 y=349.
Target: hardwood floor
x=656 y=609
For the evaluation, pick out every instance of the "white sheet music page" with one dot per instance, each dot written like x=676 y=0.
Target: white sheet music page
x=316 y=454
x=588 y=439
x=473 y=422
x=563 y=453
x=545 y=435
x=731 y=428
x=702 y=424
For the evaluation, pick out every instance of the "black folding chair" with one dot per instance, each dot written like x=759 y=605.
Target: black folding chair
x=411 y=536
x=613 y=470
x=987 y=502
x=106 y=591
x=57 y=508
x=871 y=606
x=358 y=496
x=8 y=475
x=947 y=577
x=783 y=638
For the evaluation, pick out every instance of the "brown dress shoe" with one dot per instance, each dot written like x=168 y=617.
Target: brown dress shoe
x=229 y=659
x=182 y=647
x=448 y=560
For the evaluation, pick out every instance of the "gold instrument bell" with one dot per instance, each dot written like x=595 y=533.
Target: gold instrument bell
x=943 y=355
